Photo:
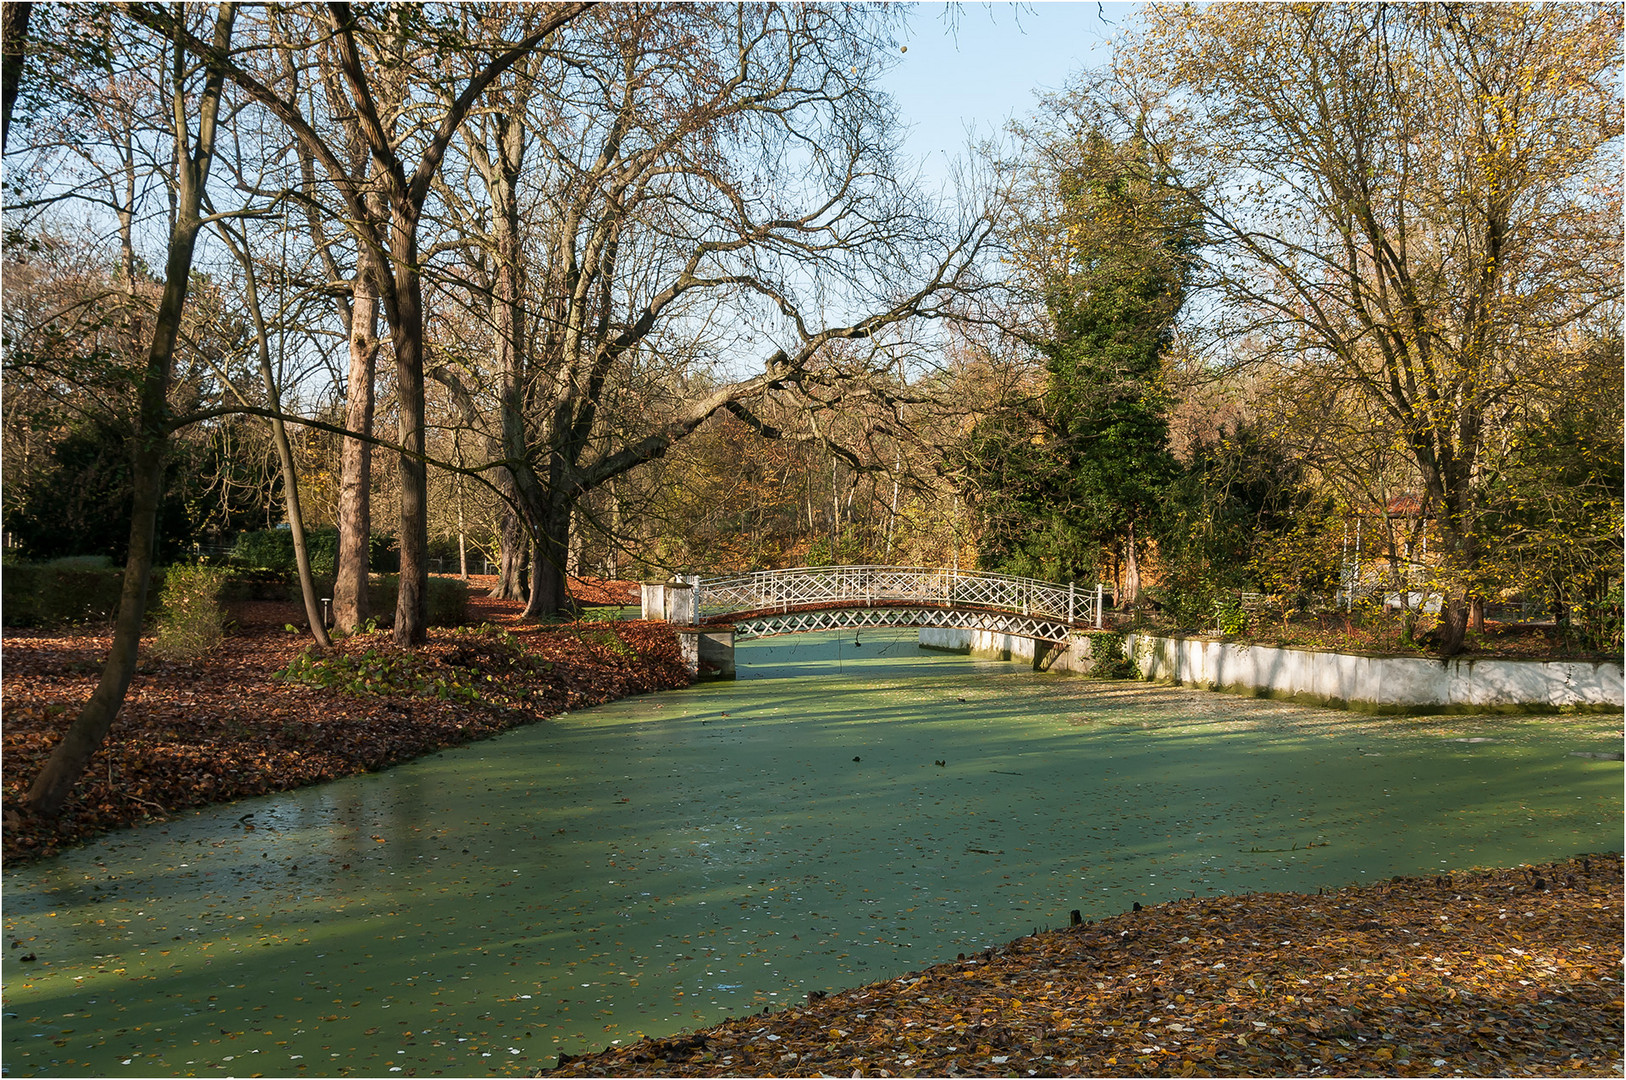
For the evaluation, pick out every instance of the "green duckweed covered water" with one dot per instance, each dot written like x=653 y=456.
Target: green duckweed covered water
x=665 y=861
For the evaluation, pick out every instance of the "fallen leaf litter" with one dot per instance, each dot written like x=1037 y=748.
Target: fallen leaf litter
x=1512 y=972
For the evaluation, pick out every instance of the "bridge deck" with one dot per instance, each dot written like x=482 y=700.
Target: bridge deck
x=812 y=618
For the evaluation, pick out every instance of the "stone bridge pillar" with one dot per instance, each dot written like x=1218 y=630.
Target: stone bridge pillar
x=670 y=601
x=708 y=651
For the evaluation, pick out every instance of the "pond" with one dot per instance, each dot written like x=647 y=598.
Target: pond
x=838 y=815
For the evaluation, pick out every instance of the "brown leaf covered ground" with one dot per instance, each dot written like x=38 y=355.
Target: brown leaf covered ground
x=1486 y=973
x=225 y=727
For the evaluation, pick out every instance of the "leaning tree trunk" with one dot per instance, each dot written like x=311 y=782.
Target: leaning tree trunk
x=88 y=731
x=285 y=454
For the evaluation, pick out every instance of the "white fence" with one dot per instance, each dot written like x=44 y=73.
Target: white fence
x=891 y=586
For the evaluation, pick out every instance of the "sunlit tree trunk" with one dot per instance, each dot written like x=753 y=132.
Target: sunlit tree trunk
x=411 y=622
x=350 y=608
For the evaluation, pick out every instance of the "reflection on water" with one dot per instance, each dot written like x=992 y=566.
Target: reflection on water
x=838 y=815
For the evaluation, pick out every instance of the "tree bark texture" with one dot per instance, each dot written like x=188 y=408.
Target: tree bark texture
x=350 y=609
x=14 y=35
x=411 y=621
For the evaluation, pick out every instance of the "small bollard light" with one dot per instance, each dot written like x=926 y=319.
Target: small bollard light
x=327 y=611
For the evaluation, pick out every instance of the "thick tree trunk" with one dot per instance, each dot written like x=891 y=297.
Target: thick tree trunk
x=512 y=558
x=1476 y=614
x=509 y=341
x=1453 y=625
x=350 y=609
x=550 y=592
x=411 y=624
x=89 y=729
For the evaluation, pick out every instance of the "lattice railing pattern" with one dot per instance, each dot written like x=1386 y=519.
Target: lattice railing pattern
x=808 y=586
x=999 y=622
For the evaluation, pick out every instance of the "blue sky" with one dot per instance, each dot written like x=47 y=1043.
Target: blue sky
x=988 y=67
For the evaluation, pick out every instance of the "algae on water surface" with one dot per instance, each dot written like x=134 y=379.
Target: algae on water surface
x=662 y=862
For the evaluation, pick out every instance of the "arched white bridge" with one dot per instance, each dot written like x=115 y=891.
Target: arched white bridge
x=809 y=598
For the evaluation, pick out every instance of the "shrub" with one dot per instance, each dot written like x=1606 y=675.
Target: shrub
x=190 y=619
x=1107 y=650
x=1229 y=616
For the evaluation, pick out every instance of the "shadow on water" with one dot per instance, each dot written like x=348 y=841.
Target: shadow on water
x=837 y=815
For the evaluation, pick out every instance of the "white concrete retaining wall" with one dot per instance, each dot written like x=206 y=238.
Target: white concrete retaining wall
x=946 y=638
x=1379 y=683
x=1042 y=655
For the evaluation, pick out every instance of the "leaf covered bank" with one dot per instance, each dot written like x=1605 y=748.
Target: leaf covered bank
x=259 y=714
x=1512 y=972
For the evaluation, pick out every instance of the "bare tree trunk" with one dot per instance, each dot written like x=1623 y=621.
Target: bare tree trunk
x=514 y=551
x=573 y=561
x=88 y=731
x=1476 y=614
x=892 y=514
x=462 y=540
x=14 y=34
x=1131 y=570
x=550 y=593
x=501 y=174
x=1453 y=625
x=612 y=562
x=350 y=608
x=411 y=624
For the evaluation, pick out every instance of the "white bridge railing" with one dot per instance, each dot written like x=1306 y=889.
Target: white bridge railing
x=890 y=586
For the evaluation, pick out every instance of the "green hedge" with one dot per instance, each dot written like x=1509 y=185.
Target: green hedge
x=447 y=602
x=245 y=584
x=273 y=549
x=43 y=595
